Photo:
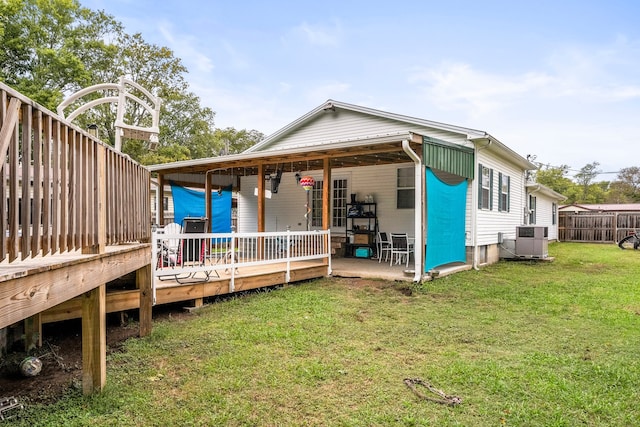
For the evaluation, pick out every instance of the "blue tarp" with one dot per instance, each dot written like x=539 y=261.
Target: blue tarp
x=190 y=203
x=446 y=210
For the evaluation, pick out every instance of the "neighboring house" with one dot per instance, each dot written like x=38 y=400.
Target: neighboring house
x=543 y=209
x=458 y=191
x=601 y=207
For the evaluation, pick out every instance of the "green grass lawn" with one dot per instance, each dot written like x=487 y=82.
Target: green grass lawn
x=522 y=343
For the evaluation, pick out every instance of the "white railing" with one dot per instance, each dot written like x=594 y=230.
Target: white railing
x=199 y=257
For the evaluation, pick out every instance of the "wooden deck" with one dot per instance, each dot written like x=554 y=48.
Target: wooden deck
x=193 y=290
x=38 y=284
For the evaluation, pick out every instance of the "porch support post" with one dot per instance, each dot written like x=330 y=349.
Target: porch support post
x=207 y=202
x=261 y=201
x=94 y=340
x=160 y=201
x=326 y=194
x=326 y=206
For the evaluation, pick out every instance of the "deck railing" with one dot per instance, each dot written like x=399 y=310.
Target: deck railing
x=62 y=189
x=192 y=257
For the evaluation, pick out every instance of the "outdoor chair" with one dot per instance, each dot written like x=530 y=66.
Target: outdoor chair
x=169 y=248
x=384 y=246
x=401 y=249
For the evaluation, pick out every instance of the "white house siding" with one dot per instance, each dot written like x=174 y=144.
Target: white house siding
x=343 y=124
x=544 y=214
x=491 y=222
x=287 y=207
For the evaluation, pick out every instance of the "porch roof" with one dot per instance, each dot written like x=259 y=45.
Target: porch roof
x=352 y=152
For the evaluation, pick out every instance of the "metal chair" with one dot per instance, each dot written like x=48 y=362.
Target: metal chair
x=384 y=246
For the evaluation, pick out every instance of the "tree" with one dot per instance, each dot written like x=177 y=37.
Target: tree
x=628 y=183
x=556 y=179
x=584 y=178
x=52 y=48
x=45 y=46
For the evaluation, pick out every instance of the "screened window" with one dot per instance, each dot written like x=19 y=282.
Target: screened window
x=554 y=213
x=505 y=190
x=532 y=209
x=405 y=189
x=485 y=189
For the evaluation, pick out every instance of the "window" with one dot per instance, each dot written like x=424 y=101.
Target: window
x=503 y=201
x=485 y=187
x=339 y=203
x=532 y=209
x=406 y=191
x=316 y=204
x=554 y=213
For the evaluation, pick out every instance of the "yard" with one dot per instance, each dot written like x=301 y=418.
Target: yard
x=521 y=343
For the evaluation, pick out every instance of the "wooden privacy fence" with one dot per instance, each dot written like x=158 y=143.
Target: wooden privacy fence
x=62 y=189
x=597 y=227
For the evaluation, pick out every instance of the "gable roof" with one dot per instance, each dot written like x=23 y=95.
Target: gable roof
x=332 y=105
x=463 y=135
x=352 y=136
x=534 y=187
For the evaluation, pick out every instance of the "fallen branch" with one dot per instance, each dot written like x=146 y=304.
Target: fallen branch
x=444 y=400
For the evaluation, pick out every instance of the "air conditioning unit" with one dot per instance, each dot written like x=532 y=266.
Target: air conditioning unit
x=532 y=241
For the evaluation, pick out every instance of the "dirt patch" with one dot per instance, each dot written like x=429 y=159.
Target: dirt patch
x=61 y=357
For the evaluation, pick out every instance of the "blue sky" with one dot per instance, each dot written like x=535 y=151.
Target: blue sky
x=556 y=79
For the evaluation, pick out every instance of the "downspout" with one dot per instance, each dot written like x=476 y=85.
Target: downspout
x=418 y=193
x=474 y=208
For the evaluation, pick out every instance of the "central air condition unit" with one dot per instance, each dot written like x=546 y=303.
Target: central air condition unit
x=532 y=241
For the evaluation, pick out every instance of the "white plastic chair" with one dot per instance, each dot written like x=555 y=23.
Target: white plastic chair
x=401 y=249
x=384 y=246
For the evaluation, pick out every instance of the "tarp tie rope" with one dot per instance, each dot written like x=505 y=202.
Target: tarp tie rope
x=444 y=400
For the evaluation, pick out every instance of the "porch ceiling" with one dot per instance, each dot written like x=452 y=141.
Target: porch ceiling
x=301 y=159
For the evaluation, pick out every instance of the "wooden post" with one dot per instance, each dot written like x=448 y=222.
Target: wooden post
x=143 y=282
x=99 y=191
x=261 y=201
x=160 y=201
x=207 y=202
x=33 y=332
x=326 y=202
x=94 y=340
x=3 y=341
x=261 y=209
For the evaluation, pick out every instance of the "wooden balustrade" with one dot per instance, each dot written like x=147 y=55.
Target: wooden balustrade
x=62 y=189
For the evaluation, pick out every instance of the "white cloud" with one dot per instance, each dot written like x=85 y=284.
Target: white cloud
x=457 y=86
x=185 y=47
x=319 y=35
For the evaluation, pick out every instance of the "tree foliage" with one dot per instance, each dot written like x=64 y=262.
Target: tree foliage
x=50 y=49
x=584 y=188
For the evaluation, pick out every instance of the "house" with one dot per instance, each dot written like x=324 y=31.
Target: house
x=457 y=191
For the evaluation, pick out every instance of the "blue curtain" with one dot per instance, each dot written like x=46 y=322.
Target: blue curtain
x=190 y=203
x=446 y=210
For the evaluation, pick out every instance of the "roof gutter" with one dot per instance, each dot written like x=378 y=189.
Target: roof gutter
x=418 y=243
